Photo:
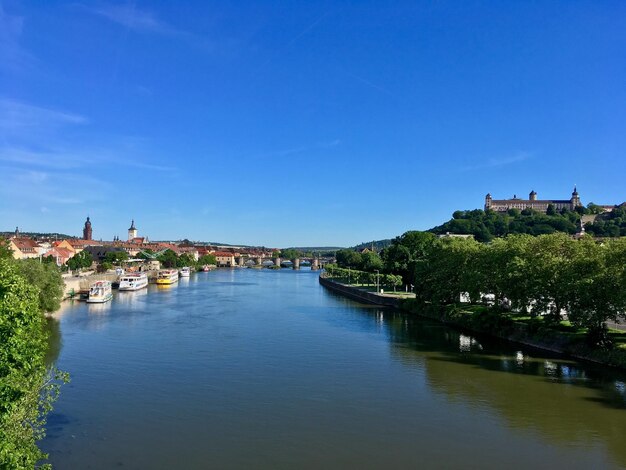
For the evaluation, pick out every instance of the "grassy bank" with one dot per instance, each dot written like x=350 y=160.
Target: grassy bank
x=536 y=332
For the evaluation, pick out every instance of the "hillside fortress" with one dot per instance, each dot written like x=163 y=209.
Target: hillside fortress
x=503 y=205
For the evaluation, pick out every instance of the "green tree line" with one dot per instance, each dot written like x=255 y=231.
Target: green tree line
x=169 y=259
x=353 y=276
x=548 y=275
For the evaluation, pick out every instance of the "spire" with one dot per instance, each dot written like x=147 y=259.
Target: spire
x=132 y=225
x=575 y=193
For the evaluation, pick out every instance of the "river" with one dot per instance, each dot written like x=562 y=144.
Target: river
x=249 y=368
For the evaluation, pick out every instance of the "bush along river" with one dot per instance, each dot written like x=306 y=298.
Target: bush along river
x=267 y=369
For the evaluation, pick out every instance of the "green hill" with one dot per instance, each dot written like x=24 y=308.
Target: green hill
x=486 y=225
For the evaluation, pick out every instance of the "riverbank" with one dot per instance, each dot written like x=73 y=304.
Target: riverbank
x=561 y=339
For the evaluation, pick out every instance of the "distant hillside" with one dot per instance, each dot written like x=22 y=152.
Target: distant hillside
x=378 y=245
x=38 y=235
x=315 y=248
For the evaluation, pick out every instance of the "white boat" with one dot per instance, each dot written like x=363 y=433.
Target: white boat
x=185 y=272
x=167 y=276
x=100 y=292
x=133 y=281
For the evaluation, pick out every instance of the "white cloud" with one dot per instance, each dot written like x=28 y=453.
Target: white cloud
x=17 y=118
x=129 y=16
x=12 y=55
x=498 y=162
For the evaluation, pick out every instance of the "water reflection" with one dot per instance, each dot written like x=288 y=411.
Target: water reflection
x=99 y=308
x=566 y=401
x=132 y=299
x=53 y=328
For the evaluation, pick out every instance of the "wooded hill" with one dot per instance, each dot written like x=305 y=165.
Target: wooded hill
x=487 y=225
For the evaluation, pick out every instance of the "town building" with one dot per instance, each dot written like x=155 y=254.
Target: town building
x=87 y=230
x=540 y=205
x=79 y=245
x=224 y=258
x=61 y=255
x=24 y=248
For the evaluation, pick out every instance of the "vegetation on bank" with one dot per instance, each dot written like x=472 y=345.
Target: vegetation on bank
x=363 y=278
x=27 y=387
x=547 y=277
x=169 y=259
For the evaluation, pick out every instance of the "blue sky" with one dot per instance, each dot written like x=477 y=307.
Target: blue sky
x=303 y=123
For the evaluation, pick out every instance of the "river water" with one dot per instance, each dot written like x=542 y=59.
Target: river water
x=250 y=368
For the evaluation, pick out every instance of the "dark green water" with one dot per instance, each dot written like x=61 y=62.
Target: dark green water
x=265 y=369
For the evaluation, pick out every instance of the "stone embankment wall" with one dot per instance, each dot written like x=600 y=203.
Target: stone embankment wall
x=358 y=294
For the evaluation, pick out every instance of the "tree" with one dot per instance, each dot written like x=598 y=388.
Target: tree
x=446 y=272
x=46 y=278
x=207 y=260
x=27 y=389
x=406 y=251
x=5 y=250
x=598 y=290
x=168 y=259
x=551 y=210
x=349 y=259
x=185 y=260
x=80 y=260
x=370 y=261
x=105 y=266
x=290 y=254
x=116 y=257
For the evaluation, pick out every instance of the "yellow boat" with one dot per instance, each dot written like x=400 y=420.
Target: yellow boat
x=167 y=276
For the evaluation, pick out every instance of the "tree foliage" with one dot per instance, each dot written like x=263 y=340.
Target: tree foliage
x=116 y=257
x=548 y=275
x=406 y=252
x=354 y=276
x=168 y=259
x=27 y=388
x=80 y=260
x=46 y=278
x=487 y=225
x=611 y=224
x=207 y=260
x=290 y=254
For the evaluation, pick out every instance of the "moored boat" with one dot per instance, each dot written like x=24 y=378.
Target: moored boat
x=167 y=276
x=185 y=272
x=133 y=281
x=100 y=292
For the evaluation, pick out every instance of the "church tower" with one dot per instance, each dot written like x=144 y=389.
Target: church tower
x=532 y=196
x=575 y=199
x=132 y=231
x=87 y=230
